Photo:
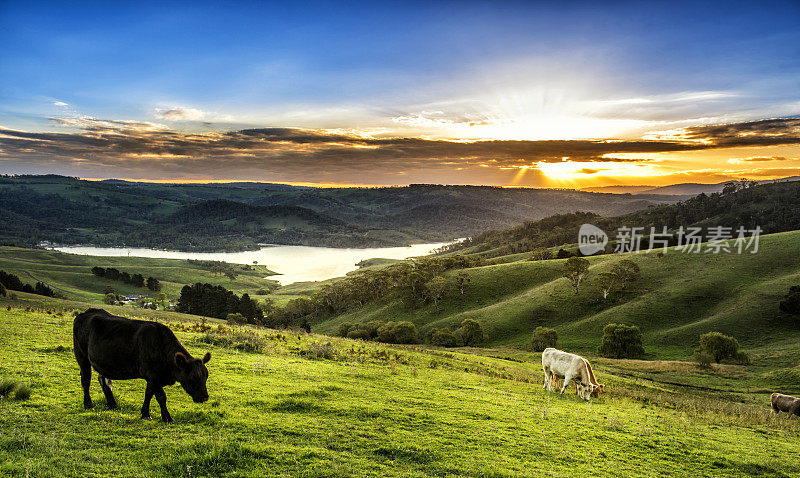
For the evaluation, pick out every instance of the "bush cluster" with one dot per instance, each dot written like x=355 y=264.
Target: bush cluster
x=543 y=337
x=621 y=341
x=402 y=332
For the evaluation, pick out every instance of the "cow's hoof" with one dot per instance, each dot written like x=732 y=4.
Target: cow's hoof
x=148 y=417
x=168 y=421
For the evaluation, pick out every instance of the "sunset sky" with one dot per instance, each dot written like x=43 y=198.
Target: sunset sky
x=561 y=94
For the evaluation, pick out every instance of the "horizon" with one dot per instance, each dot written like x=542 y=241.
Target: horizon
x=510 y=95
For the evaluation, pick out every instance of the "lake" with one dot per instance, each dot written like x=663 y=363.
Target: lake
x=294 y=263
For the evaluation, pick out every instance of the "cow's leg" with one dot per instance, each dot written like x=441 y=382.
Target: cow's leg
x=161 y=398
x=567 y=379
x=105 y=384
x=86 y=382
x=546 y=384
x=148 y=395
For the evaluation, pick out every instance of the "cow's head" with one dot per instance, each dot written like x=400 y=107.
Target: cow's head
x=586 y=390
x=192 y=375
x=597 y=389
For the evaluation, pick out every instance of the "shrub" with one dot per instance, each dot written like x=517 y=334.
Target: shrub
x=372 y=328
x=386 y=332
x=703 y=359
x=621 y=341
x=472 y=332
x=397 y=333
x=358 y=333
x=405 y=333
x=444 y=338
x=742 y=358
x=719 y=346
x=23 y=392
x=344 y=329
x=543 y=337
x=110 y=299
x=7 y=387
x=791 y=302
x=540 y=254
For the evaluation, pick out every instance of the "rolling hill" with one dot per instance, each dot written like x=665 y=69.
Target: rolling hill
x=679 y=297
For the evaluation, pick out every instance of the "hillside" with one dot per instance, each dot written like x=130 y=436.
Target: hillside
x=168 y=216
x=679 y=297
x=773 y=207
x=307 y=405
x=72 y=274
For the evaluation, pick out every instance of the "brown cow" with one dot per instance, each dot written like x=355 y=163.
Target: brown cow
x=785 y=403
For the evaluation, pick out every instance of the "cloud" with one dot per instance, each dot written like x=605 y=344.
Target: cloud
x=132 y=148
x=60 y=103
x=760 y=159
x=189 y=114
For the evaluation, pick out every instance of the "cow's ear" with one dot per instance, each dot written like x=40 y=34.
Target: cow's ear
x=180 y=359
x=207 y=357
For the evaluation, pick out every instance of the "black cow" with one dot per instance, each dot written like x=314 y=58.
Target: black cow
x=124 y=349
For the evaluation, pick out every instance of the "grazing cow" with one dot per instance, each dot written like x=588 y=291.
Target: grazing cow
x=571 y=367
x=123 y=349
x=785 y=403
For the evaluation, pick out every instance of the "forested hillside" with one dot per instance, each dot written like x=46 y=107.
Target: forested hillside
x=772 y=207
x=239 y=216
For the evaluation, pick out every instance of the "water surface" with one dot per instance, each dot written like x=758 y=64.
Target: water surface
x=294 y=263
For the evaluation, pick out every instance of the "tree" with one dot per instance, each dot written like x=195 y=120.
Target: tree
x=472 y=332
x=791 y=301
x=627 y=271
x=621 y=341
x=543 y=337
x=436 y=288
x=153 y=284
x=541 y=254
x=230 y=274
x=2 y=290
x=606 y=281
x=718 y=346
x=575 y=269
x=462 y=281
x=110 y=299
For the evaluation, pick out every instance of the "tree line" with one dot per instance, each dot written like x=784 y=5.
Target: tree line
x=136 y=280
x=216 y=301
x=13 y=282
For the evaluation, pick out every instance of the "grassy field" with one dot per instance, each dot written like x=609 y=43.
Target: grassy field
x=679 y=297
x=301 y=407
x=72 y=273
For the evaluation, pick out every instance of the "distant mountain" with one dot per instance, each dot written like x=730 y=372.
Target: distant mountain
x=680 y=189
x=618 y=189
x=239 y=216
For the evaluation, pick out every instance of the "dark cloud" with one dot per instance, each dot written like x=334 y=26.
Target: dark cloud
x=120 y=148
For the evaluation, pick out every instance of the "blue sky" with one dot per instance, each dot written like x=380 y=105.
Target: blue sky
x=443 y=70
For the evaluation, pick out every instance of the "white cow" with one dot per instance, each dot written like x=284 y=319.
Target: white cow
x=572 y=367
